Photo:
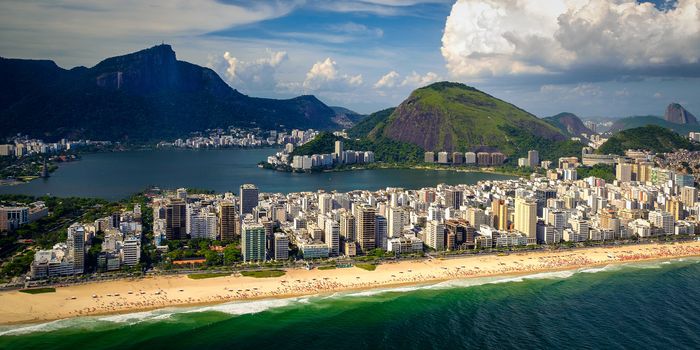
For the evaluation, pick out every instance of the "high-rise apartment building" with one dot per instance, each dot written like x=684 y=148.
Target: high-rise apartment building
x=663 y=220
x=499 y=210
x=281 y=246
x=249 y=199
x=453 y=198
x=533 y=158
x=366 y=227
x=435 y=235
x=176 y=220
x=397 y=218
x=325 y=203
x=76 y=247
x=347 y=226
x=332 y=237
x=526 y=217
x=253 y=241
x=228 y=220
x=380 y=232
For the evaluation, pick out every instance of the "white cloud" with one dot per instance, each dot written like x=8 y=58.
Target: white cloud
x=378 y=7
x=417 y=80
x=388 y=80
x=357 y=29
x=324 y=75
x=393 y=79
x=82 y=28
x=510 y=37
x=255 y=75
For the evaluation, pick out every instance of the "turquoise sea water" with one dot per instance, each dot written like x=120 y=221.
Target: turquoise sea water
x=117 y=175
x=652 y=305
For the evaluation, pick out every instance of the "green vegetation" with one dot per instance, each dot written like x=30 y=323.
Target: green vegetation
x=368 y=267
x=651 y=137
x=38 y=290
x=329 y=267
x=385 y=150
x=25 y=167
x=603 y=171
x=17 y=255
x=548 y=149
x=375 y=120
x=640 y=121
x=568 y=123
x=452 y=116
x=263 y=273
x=201 y=276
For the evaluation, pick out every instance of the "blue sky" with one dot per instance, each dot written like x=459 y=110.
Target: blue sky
x=590 y=57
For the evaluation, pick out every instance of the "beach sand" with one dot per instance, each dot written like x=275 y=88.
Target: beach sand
x=140 y=294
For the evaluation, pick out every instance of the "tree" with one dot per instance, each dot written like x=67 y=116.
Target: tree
x=213 y=258
x=232 y=255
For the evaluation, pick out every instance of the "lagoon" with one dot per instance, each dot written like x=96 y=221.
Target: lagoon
x=117 y=175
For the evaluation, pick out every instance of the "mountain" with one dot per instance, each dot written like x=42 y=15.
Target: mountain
x=449 y=116
x=651 y=137
x=675 y=113
x=146 y=95
x=346 y=118
x=640 y=121
x=374 y=121
x=569 y=124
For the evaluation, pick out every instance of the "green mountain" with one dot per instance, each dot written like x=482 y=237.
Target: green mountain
x=375 y=121
x=569 y=124
x=449 y=116
x=146 y=95
x=651 y=137
x=346 y=118
x=639 y=121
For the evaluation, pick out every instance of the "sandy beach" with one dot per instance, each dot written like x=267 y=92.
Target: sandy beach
x=156 y=292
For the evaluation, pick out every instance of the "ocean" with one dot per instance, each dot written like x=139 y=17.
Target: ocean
x=649 y=305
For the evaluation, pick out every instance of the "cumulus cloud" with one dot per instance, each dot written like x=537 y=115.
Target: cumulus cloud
x=324 y=75
x=250 y=75
x=393 y=79
x=621 y=37
x=415 y=79
x=388 y=80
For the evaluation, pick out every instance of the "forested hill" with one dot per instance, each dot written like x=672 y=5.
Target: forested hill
x=145 y=95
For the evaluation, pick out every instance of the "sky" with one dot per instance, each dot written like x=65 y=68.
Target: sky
x=610 y=58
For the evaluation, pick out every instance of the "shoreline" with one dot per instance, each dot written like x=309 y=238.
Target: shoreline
x=460 y=169
x=157 y=292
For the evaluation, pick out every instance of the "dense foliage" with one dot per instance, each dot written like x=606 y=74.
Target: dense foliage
x=375 y=120
x=602 y=171
x=384 y=149
x=651 y=137
x=548 y=149
x=47 y=231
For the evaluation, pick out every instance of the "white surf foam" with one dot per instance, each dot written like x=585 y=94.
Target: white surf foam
x=257 y=306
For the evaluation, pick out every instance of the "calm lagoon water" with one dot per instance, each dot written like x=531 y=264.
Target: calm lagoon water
x=117 y=175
